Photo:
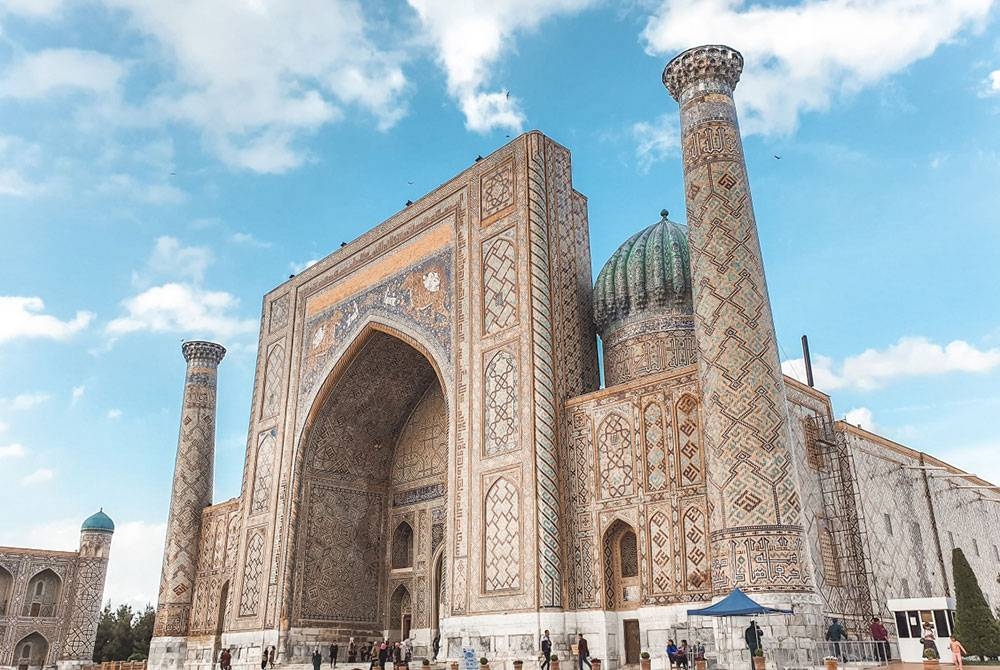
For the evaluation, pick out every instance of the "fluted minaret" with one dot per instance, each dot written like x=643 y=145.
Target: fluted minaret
x=192 y=489
x=756 y=532
x=88 y=591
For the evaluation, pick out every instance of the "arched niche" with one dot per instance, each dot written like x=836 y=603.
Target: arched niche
x=621 y=567
x=41 y=598
x=31 y=652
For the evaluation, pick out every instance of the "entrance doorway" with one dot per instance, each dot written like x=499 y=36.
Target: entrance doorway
x=631 y=636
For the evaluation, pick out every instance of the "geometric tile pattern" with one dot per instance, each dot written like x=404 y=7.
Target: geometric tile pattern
x=660 y=552
x=690 y=462
x=262 y=478
x=695 y=530
x=273 y=371
x=499 y=284
x=279 y=313
x=497 y=190
x=550 y=549
x=422 y=449
x=751 y=484
x=86 y=610
x=502 y=537
x=250 y=596
x=614 y=449
x=652 y=421
x=192 y=488
x=500 y=421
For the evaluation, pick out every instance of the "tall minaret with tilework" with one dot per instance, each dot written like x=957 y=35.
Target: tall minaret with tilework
x=192 y=488
x=756 y=526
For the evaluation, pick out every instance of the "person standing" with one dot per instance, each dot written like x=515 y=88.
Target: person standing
x=436 y=645
x=582 y=650
x=546 y=650
x=352 y=651
x=317 y=660
x=263 y=658
x=881 y=637
x=270 y=657
x=383 y=654
x=334 y=649
x=835 y=633
x=225 y=660
x=957 y=652
x=754 y=637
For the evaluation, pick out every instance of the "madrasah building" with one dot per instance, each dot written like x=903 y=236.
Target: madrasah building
x=431 y=452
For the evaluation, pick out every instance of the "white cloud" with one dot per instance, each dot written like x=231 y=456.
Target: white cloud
x=909 y=357
x=17 y=156
x=256 y=77
x=153 y=192
x=24 y=401
x=21 y=316
x=470 y=37
x=77 y=393
x=4 y=426
x=861 y=416
x=299 y=267
x=32 y=8
x=172 y=259
x=249 y=240
x=114 y=414
x=800 y=56
x=992 y=84
x=181 y=308
x=56 y=70
x=13 y=450
x=39 y=476
x=656 y=141
x=136 y=554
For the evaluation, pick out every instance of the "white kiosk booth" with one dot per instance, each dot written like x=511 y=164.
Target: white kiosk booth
x=911 y=615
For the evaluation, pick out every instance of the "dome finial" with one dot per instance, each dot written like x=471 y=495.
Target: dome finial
x=664 y=214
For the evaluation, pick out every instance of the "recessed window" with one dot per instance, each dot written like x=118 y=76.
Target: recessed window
x=975 y=546
x=951 y=540
x=888 y=523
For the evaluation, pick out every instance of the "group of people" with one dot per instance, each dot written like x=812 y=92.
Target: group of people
x=582 y=651
x=376 y=652
x=677 y=656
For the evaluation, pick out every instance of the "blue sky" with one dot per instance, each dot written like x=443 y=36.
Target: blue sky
x=163 y=164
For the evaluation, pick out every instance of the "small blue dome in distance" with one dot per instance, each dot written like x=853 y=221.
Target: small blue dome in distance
x=99 y=522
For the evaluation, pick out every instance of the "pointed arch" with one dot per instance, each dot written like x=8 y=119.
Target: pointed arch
x=41 y=598
x=31 y=651
x=402 y=546
x=6 y=588
x=621 y=567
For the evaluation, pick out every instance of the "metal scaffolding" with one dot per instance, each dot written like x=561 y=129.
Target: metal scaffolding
x=848 y=594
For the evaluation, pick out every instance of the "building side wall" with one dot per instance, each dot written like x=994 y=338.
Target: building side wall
x=904 y=497
x=15 y=623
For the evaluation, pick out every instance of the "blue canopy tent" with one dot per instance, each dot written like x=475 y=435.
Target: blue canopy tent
x=736 y=604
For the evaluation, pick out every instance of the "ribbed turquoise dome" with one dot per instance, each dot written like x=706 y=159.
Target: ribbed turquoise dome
x=99 y=521
x=650 y=271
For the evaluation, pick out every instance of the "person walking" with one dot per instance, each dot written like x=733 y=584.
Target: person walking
x=582 y=650
x=270 y=657
x=835 y=633
x=225 y=660
x=436 y=645
x=546 y=650
x=317 y=660
x=754 y=637
x=383 y=654
x=881 y=637
x=352 y=651
x=957 y=652
x=334 y=649
x=264 y=657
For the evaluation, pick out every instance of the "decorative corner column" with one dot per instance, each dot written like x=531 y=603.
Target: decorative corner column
x=756 y=528
x=88 y=595
x=192 y=488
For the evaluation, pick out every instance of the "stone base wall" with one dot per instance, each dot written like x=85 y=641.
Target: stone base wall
x=167 y=653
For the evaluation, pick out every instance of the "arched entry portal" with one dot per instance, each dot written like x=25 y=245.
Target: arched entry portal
x=30 y=653
x=374 y=472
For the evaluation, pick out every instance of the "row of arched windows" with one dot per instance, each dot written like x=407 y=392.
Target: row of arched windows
x=42 y=597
